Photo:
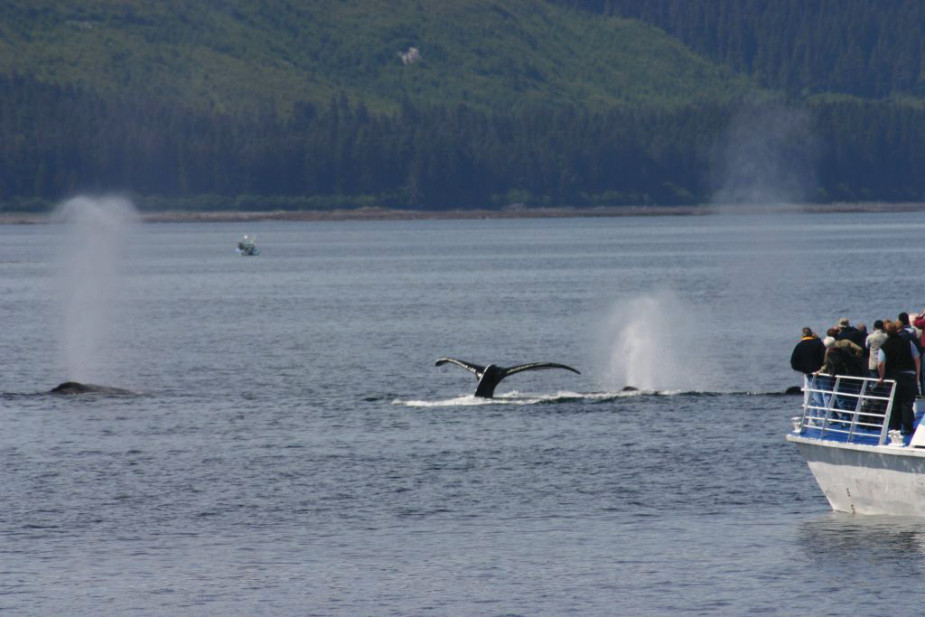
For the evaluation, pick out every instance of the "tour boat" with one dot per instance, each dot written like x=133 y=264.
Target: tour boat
x=861 y=465
x=248 y=246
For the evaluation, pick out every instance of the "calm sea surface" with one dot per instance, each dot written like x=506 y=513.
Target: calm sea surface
x=294 y=450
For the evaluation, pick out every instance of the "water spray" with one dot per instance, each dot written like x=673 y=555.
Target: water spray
x=96 y=239
x=651 y=345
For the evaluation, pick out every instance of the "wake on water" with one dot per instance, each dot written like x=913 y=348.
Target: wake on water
x=518 y=398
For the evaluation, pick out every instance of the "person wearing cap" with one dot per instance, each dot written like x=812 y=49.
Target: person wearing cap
x=848 y=332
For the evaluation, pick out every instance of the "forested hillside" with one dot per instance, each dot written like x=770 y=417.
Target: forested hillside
x=246 y=55
x=867 y=48
x=289 y=105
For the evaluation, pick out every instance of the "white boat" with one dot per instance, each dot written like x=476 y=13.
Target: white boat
x=861 y=465
x=248 y=246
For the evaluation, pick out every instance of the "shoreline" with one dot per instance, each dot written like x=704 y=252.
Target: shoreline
x=385 y=214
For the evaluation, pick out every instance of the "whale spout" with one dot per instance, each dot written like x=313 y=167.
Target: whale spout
x=75 y=387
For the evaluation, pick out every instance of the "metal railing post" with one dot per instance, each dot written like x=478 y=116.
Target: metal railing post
x=865 y=392
x=884 y=431
x=826 y=420
x=857 y=409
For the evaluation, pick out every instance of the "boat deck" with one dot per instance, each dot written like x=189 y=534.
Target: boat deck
x=861 y=465
x=849 y=410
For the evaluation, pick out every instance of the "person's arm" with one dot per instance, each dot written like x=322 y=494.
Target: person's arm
x=918 y=365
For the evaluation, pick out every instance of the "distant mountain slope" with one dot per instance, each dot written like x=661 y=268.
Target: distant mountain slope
x=308 y=104
x=245 y=54
x=865 y=48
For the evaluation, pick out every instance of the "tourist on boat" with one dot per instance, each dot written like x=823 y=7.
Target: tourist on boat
x=873 y=342
x=908 y=332
x=807 y=358
x=809 y=353
x=841 y=359
x=918 y=322
x=847 y=331
x=865 y=352
x=846 y=344
x=899 y=360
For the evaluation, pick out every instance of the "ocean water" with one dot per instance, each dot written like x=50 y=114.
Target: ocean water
x=293 y=450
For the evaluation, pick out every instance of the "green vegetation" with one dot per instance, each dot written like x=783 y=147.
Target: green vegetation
x=242 y=55
x=284 y=104
x=866 y=48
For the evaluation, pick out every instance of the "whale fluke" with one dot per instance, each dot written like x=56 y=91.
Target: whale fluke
x=75 y=387
x=489 y=376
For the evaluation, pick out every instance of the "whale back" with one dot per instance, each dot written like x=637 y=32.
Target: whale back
x=76 y=387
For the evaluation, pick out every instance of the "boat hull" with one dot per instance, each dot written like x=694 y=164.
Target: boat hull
x=867 y=479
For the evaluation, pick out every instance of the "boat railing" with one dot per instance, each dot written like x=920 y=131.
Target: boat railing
x=846 y=408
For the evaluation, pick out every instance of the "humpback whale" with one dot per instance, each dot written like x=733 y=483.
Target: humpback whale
x=489 y=376
x=75 y=387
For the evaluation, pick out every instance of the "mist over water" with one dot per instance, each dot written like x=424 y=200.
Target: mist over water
x=97 y=233
x=651 y=342
x=657 y=339
x=764 y=159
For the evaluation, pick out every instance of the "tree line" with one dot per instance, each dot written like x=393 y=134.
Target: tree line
x=56 y=141
x=866 y=48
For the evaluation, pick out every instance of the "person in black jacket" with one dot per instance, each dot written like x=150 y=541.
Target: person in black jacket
x=898 y=359
x=847 y=331
x=809 y=353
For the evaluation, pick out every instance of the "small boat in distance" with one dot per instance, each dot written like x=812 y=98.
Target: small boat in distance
x=861 y=465
x=248 y=246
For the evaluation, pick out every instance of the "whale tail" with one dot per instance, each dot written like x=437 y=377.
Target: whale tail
x=490 y=376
